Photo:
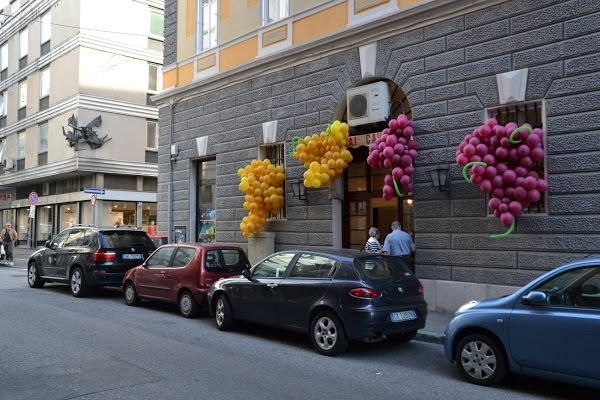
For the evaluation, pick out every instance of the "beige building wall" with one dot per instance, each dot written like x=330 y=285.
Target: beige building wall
x=64 y=77
x=65 y=20
x=242 y=18
x=186 y=29
x=297 y=7
x=58 y=147
x=113 y=76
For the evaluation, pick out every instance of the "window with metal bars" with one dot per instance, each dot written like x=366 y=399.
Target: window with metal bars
x=530 y=113
x=276 y=154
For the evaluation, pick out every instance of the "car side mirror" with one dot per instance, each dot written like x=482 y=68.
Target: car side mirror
x=247 y=274
x=535 y=298
x=47 y=244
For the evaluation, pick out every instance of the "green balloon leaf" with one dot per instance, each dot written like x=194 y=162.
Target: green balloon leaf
x=327 y=131
x=398 y=192
x=295 y=141
x=466 y=167
x=517 y=130
x=505 y=234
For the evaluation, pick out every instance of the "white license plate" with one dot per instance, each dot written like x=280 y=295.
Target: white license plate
x=403 y=316
x=133 y=256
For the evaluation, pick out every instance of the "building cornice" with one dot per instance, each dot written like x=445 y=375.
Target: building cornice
x=409 y=19
x=73 y=166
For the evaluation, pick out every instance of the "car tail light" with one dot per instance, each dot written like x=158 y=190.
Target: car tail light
x=103 y=256
x=365 y=293
x=420 y=289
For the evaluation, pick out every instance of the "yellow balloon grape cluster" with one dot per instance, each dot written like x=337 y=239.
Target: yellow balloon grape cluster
x=263 y=184
x=324 y=156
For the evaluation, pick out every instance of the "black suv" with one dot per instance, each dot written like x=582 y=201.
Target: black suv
x=85 y=256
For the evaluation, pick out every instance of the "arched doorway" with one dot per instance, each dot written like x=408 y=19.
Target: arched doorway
x=363 y=205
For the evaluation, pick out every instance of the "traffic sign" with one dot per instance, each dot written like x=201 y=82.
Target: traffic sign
x=93 y=200
x=33 y=198
x=94 y=191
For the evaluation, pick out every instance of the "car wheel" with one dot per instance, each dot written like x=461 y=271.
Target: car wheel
x=224 y=314
x=402 y=337
x=327 y=334
x=33 y=276
x=481 y=359
x=188 y=307
x=78 y=286
x=131 y=297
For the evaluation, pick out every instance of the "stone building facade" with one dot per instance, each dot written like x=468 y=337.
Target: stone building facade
x=458 y=63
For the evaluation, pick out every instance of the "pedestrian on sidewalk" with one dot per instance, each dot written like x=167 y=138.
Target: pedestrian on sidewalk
x=372 y=245
x=399 y=243
x=8 y=237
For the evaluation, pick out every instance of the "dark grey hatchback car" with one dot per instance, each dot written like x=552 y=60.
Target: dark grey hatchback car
x=333 y=295
x=85 y=256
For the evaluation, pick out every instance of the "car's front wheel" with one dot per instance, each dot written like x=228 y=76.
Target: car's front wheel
x=224 y=314
x=480 y=358
x=188 y=307
x=131 y=297
x=33 y=275
x=78 y=285
x=327 y=334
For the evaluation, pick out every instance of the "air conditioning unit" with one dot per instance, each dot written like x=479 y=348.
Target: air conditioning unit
x=368 y=104
x=10 y=164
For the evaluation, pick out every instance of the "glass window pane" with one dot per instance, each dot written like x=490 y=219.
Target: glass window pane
x=152 y=77
x=151 y=135
x=43 y=136
x=273 y=267
x=45 y=27
x=23 y=43
x=22 y=94
x=206 y=215
x=183 y=257
x=3 y=103
x=21 y=145
x=45 y=83
x=157 y=23
x=160 y=258
x=3 y=57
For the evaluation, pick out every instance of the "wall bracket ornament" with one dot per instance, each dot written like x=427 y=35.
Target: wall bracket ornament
x=84 y=133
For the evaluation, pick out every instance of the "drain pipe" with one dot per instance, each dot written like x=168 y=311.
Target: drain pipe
x=171 y=160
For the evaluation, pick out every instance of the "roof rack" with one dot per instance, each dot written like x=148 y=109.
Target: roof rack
x=86 y=225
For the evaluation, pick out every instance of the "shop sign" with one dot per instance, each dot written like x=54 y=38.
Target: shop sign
x=362 y=140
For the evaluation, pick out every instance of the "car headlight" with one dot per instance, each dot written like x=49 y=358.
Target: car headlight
x=468 y=305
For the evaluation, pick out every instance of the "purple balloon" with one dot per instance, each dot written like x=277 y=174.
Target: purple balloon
x=462 y=160
x=489 y=159
x=387 y=163
x=406 y=160
x=396 y=159
x=520 y=193
x=399 y=148
x=513 y=155
x=515 y=208
x=388 y=152
x=501 y=152
x=536 y=154
x=477 y=170
x=507 y=219
x=388 y=180
x=412 y=154
x=481 y=150
x=494 y=203
x=405 y=180
x=397 y=172
x=532 y=141
x=533 y=195
x=391 y=140
x=403 y=141
x=509 y=192
x=477 y=179
x=393 y=124
x=491 y=122
x=497 y=181
x=498 y=193
x=372 y=161
x=503 y=207
x=526 y=162
x=519 y=181
x=410 y=170
x=486 y=186
x=505 y=142
x=414 y=145
x=509 y=176
x=542 y=185
x=408 y=131
x=382 y=145
x=521 y=171
x=530 y=183
x=388 y=189
x=372 y=147
x=490 y=172
x=501 y=168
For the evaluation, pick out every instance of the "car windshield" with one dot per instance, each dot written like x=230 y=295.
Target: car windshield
x=382 y=269
x=113 y=239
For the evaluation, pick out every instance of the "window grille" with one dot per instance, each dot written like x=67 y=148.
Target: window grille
x=276 y=154
x=530 y=113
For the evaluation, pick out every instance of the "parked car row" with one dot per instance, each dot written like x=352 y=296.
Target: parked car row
x=546 y=329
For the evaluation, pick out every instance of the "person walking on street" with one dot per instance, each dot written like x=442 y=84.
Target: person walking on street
x=373 y=245
x=8 y=237
x=399 y=243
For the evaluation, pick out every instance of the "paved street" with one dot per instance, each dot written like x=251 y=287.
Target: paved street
x=54 y=346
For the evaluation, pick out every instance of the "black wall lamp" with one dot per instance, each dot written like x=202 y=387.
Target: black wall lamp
x=299 y=188
x=440 y=176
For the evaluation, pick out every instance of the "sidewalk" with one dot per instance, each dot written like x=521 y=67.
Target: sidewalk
x=432 y=333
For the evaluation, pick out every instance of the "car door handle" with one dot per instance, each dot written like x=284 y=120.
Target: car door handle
x=163 y=272
x=272 y=286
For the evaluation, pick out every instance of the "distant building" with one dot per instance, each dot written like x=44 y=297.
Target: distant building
x=98 y=61
x=242 y=78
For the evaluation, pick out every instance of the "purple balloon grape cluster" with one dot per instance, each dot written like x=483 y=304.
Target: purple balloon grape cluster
x=396 y=149
x=501 y=161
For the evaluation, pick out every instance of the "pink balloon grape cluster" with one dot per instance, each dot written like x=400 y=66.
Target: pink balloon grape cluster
x=501 y=159
x=396 y=149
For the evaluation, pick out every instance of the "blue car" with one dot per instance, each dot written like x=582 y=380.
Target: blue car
x=550 y=329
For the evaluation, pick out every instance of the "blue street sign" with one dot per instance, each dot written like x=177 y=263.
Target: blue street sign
x=93 y=191
x=33 y=198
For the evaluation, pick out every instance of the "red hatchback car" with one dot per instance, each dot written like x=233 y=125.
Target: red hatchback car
x=182 y=273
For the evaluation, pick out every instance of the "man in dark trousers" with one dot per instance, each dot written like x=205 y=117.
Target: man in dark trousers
x=399 y=243
x=8 y=237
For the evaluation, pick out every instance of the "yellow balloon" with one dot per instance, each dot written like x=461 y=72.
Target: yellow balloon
x=324 y=177
x=316 y=183
x=244 y=186
x=307 y=182
x=279 y=191
x=253 y=205
x=315 y=166
x=309 y=174
x=339 y=163
x=280 y=176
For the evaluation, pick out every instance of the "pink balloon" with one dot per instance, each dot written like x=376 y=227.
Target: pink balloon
x=387 y=189
x=498 y=193
x=519 y=181
x=393 y=124
x=485 y=131
x=373 y=146
x=372 y=161
x=536 y=154
x=486 y=186
x=521 y=171
x=515 y=208
x=526 y=162
x=513 y=155
x=494 y=203
x=501 y=168
x=397 y=172
x=520 y=193
x=399 y=148
x=406 y=160
x=388 y=180
x=532 y=141
x=481 y=150
x=386 y=131
x=533 y=195
x=509 y=192
x=499 y=131
x=414 y=145
x=497 y=181
x=477 y=179
x=538 y=132
x=506 y=219
x=408 y=131
x=489 y=159
x=387 y=163
x=405 y=179
x=402 y=121
x=490 y=172
x=462 y=160
x=491 y=122
x=410 y=170
x=475 y=141
x=477 y=170
x=403 y=141
x=509 y=176
x=396 y=159
x=387 y=196
x=375 y=154
x=497 y=213
x=388 y=152
x=382 y=145
x=391 y=140
x=530 y=183
x=495 y=141
x=542 y=185
x=505 y=142
x=534 y=174
x=501 y=152
x=412 y=154
x=503 y=207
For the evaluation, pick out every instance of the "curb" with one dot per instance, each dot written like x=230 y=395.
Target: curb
x=430 y=337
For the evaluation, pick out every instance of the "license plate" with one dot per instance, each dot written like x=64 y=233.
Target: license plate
x=403 y=316
x=133 y=256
